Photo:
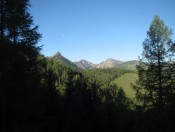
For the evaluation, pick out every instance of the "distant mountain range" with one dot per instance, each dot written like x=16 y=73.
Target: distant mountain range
x=85 y=65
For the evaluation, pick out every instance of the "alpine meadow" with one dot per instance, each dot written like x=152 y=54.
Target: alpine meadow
x=45 y=92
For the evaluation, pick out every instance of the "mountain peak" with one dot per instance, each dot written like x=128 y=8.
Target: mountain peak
x=109 y=63
x=83 y=60
x=84 y=64
x=110 y=59
x=57 y=54
x=58 y=57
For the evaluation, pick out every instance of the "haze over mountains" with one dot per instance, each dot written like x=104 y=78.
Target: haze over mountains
x=85 y=65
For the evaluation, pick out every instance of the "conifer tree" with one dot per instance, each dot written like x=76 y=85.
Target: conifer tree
x=153 y=86
x=18 y=65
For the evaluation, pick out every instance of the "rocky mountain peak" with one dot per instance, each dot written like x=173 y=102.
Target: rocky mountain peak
x=84 y=64
x=57 y=54
x=109 y=63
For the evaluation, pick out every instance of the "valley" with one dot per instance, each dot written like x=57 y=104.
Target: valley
x=123 y=74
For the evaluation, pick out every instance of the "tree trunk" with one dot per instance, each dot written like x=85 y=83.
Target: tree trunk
x=160 y=99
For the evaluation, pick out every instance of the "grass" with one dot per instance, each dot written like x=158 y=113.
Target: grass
x=125 y=82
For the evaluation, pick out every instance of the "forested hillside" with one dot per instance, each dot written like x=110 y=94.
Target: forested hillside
x=41 y=94
x=105 y=76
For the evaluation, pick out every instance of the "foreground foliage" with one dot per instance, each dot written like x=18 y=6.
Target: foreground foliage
x=155 y=86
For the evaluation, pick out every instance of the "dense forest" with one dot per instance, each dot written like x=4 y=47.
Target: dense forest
x=40 y=94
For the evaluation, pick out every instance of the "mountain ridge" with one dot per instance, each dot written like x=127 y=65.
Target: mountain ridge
x=58 y=57
x=85 y=64
x=108 y=63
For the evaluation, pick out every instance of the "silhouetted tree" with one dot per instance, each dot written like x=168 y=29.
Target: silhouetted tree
x=153 y=86
x=2 y=21
x=18 y=67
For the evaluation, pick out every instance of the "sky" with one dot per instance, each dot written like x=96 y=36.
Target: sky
x=96 y=30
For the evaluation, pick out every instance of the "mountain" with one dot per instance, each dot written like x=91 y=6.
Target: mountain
x=109 y=63
x=84 y=64
x=130 y=65
x=63 y=60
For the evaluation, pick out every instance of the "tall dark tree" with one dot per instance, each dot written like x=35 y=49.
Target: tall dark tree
x=154 y=84
x=17 y=23
x=2 y=20
x=19 y=82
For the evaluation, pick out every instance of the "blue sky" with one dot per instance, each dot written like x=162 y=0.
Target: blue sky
x=96 y=30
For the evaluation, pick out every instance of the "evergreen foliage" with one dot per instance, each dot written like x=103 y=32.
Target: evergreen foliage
x=105 y=76
x=42 y=94
x=154 y=85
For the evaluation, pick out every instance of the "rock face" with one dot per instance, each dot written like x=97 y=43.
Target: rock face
x=109 y=63
x=85 y=65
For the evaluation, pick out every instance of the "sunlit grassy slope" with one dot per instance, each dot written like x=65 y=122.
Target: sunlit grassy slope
x=125 y=82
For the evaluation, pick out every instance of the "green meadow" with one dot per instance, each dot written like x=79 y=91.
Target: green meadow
x=125 y=82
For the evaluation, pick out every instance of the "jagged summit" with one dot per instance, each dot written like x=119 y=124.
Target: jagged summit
x=84 y=64
x=83 y=60
x=57 y=53
x=58 y=57
x=109 y=63
x=110 y=59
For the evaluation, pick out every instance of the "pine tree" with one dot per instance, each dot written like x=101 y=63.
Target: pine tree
x=2 y=21
x=19 y=82
x=153 y=86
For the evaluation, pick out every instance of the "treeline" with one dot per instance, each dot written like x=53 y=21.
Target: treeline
x=49 y=96
x=105 y=76
x=85 y=105
x=40 y=94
